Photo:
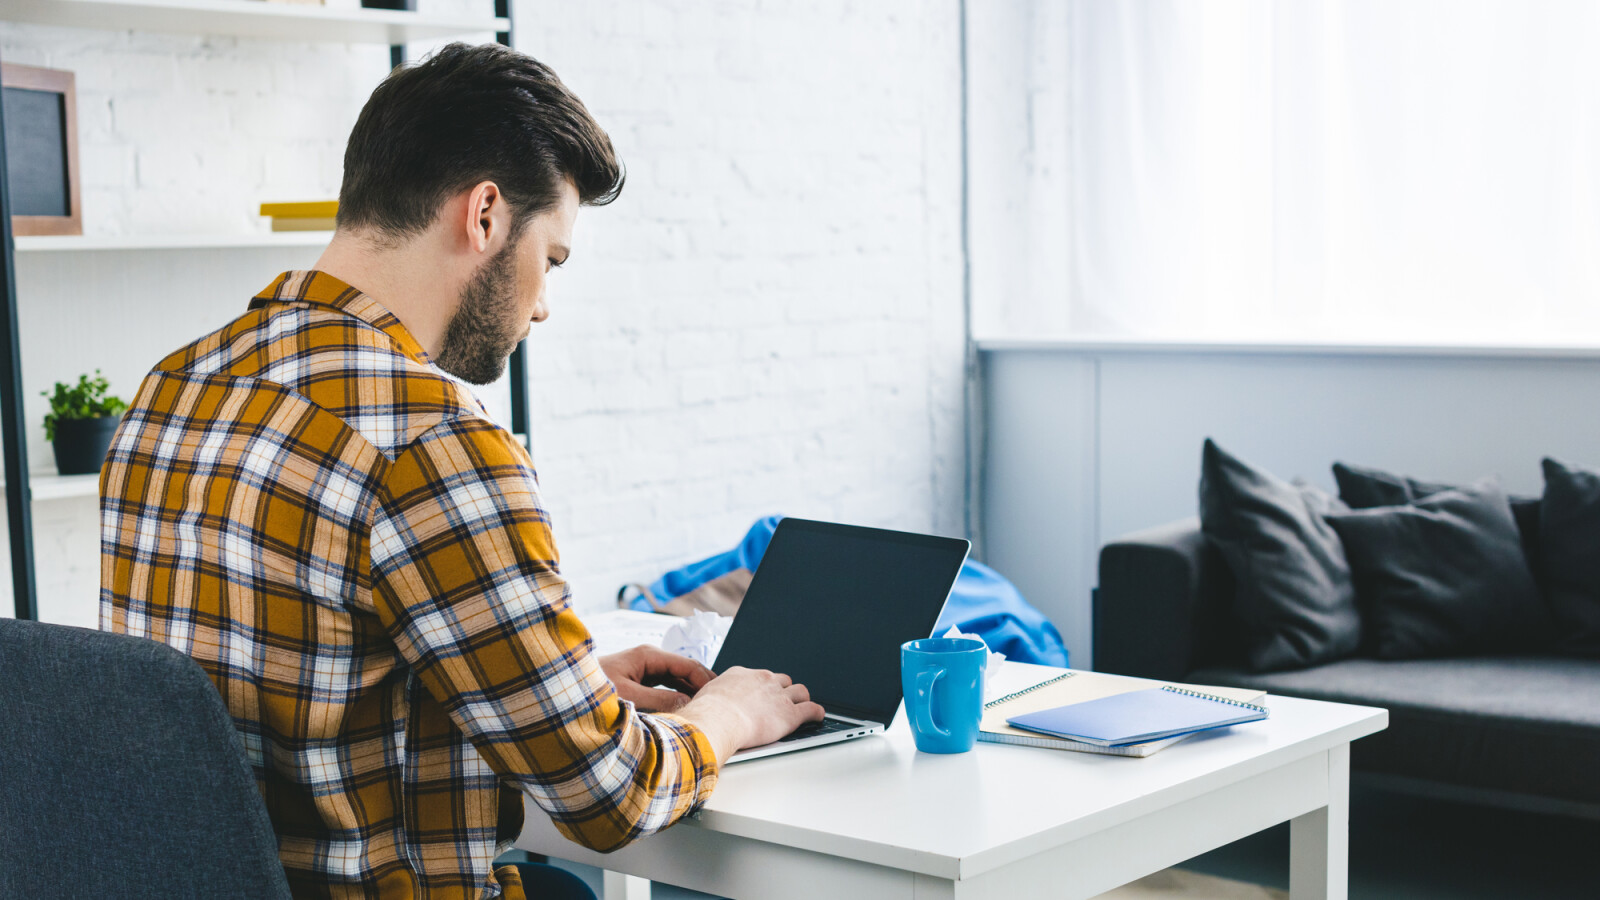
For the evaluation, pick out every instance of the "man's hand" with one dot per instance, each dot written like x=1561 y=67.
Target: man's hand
x=637 y=672
x=749 y=707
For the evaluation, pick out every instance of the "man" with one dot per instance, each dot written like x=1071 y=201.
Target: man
x=306 y=504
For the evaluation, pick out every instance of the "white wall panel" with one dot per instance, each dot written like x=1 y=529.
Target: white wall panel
x=1039 y=489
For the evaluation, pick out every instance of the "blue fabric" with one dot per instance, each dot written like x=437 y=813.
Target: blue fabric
x=983 y=602
x=745 y=556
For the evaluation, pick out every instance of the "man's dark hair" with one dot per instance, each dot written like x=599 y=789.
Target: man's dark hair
x=464 y=115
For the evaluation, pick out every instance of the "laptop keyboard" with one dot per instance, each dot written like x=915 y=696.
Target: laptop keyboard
x=812 y=729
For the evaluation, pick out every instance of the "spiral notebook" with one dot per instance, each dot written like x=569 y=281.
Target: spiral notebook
x=1079 y=687
x=1138 y=717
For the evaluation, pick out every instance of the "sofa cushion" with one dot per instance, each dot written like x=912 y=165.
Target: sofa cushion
x=1569 y=554
x=1293 y=598
x=1528 y=724
x=1364 y=488
x=1527 y=510
x=1443 y=576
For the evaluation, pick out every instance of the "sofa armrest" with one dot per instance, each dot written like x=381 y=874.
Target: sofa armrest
x=1161 y=609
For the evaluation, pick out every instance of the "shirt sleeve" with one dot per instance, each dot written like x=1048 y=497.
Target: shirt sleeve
x=465 y=579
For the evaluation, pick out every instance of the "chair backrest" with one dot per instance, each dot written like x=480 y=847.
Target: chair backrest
x=121 y=774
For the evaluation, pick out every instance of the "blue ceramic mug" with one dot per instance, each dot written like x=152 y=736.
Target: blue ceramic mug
x=943 y=683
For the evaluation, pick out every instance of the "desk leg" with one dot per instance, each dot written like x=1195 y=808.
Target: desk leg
x=617 y=886
x=1319 y=841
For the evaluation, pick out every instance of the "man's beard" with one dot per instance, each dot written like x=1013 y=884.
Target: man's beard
x=485 y=328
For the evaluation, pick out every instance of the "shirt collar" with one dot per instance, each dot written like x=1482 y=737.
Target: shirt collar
x=322 y=289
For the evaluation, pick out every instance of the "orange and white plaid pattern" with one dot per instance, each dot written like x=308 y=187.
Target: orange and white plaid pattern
x=361 y=561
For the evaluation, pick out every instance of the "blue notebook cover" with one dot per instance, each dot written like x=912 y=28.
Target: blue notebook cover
x=1139 y=716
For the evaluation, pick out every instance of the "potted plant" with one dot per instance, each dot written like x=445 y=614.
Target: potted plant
x=81 y=422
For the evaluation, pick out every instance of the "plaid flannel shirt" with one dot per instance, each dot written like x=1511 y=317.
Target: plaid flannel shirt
x=360 y=560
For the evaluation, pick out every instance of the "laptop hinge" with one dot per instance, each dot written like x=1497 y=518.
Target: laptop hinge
x=850 y=712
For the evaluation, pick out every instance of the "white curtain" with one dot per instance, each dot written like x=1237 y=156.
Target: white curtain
x=1368 y=170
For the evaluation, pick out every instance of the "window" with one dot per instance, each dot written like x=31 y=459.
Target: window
x=1403 y=170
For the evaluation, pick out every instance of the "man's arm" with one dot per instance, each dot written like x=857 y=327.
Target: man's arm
x=465 y=580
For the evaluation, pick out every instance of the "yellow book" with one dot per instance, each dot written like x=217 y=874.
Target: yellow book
x=315 y=209
x=279 y=223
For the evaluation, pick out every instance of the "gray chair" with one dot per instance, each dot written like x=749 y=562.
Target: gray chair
x=121 y=774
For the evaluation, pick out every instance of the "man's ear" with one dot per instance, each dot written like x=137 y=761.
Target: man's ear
x=487 y=217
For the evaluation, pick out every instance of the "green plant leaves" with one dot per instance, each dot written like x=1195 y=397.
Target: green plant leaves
x=85 y=400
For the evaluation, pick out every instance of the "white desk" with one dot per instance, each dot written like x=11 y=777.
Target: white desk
x=873 y=818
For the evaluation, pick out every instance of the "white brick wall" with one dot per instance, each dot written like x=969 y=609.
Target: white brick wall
x=768 y=320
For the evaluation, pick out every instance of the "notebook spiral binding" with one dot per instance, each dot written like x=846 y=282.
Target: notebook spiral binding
x=1204 y=696
x=1015 y=694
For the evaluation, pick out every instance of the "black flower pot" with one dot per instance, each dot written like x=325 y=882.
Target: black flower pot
x=81 y=444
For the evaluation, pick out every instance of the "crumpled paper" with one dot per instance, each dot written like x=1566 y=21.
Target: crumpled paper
x=995 y=661
x=698 y=637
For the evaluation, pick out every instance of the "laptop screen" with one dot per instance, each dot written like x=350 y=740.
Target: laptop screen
x=831 y=604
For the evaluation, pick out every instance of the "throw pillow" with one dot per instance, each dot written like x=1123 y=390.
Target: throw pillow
x=1364 y=488
x=1443 y=576
x=1294 y=600
x=1569 y=554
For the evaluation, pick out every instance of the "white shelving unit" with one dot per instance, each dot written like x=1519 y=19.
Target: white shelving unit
x=232 y=18
x=345 y=23
x=44 y=484
x=50 y=486
x=261 y=240
x=249 y=19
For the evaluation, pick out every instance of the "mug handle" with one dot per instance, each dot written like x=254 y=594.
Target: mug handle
x=926 y=679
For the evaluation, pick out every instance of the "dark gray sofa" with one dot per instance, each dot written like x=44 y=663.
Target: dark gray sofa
x=1520 y=731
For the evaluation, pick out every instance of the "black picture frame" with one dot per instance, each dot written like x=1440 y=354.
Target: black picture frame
x=41 y=122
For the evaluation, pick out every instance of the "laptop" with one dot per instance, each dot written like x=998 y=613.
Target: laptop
x=829 y=606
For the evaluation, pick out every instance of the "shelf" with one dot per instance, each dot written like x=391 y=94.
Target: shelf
x=59 y=487
x=265 y=240
x=250 y=19
x=50 y=486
